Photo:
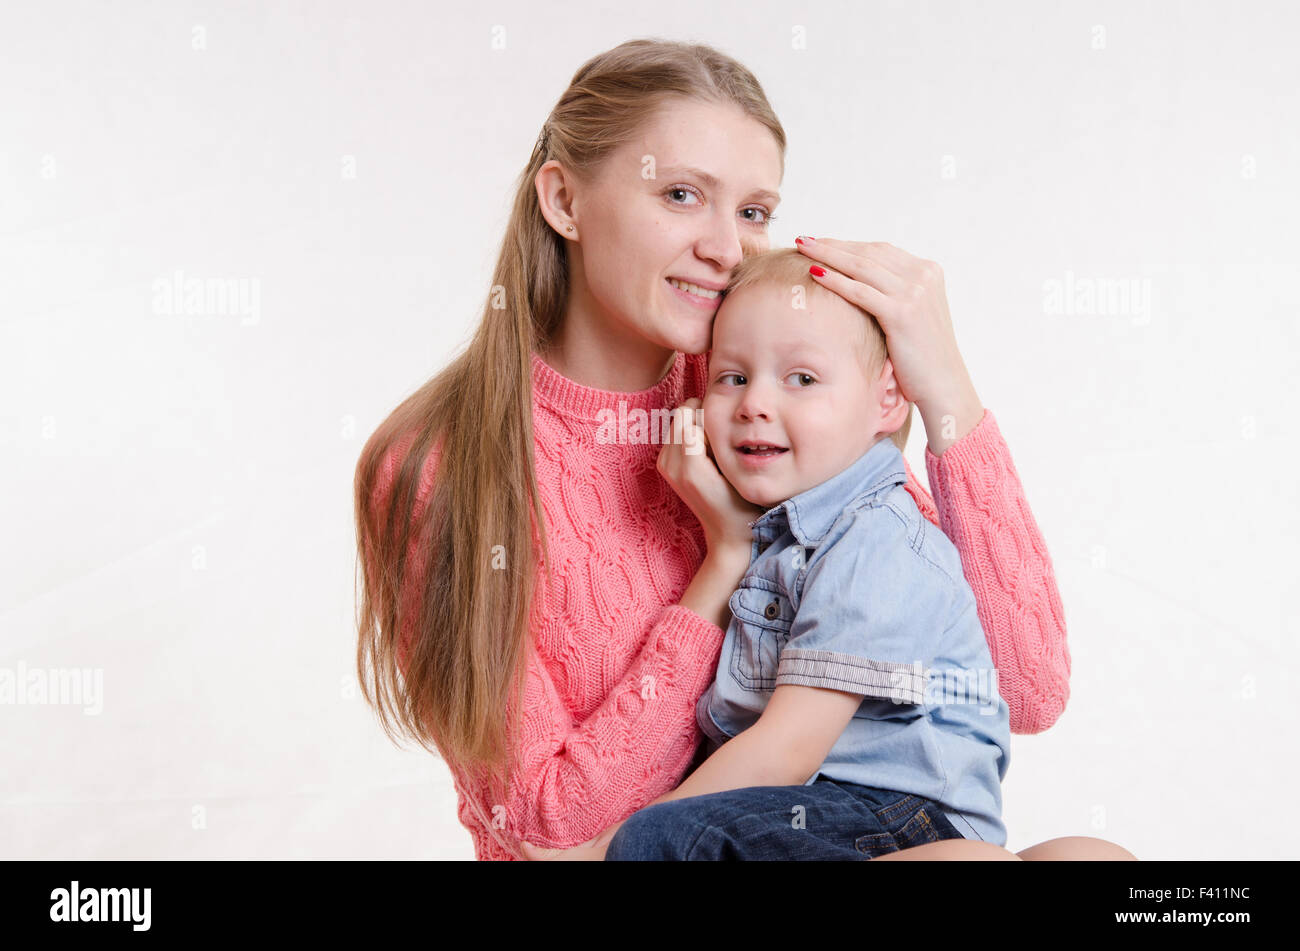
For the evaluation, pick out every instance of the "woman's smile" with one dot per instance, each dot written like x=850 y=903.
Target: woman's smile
x=701 y=300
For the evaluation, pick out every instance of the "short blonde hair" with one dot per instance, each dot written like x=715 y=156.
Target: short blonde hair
x=787 y=268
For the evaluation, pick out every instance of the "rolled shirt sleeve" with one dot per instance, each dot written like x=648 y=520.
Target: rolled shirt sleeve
x=871 y=612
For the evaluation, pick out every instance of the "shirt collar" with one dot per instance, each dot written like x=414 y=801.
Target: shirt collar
x=811 y=513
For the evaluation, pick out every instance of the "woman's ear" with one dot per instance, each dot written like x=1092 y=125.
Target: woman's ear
x=555 y=195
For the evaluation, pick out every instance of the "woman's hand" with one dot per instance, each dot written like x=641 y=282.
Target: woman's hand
x=593 y=850
x=687 y=463
x=907 y=297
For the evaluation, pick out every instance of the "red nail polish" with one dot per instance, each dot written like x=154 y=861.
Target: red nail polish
x=798 y=240
x=817 y=271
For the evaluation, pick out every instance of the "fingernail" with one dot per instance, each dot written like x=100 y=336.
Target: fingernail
x=817 y=271
x=802 y=238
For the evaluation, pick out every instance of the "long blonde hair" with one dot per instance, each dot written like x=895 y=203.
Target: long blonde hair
x=441 y=651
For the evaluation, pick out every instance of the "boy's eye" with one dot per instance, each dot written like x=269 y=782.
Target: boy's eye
x=802 y=377
x=727 y=376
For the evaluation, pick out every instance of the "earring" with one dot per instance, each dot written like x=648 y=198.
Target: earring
x=570 y=228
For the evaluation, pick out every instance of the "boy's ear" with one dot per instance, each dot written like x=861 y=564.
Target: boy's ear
x=894 y=407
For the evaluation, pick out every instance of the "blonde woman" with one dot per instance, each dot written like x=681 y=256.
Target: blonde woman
x=546 y=564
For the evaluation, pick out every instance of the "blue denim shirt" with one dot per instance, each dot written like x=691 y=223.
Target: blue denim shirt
x=851 y=588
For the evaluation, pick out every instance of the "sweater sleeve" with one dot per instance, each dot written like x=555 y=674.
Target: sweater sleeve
x=573 y=779
x=980 y=505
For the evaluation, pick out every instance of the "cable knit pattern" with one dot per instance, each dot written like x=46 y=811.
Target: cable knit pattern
x=983 y=510
x=616 y=665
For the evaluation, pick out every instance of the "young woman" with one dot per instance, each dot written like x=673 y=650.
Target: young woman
x=545 y=576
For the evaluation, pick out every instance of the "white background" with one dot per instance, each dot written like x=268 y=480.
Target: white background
x=176 y=504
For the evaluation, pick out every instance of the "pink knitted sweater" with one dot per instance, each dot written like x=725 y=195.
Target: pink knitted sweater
x=616 y=665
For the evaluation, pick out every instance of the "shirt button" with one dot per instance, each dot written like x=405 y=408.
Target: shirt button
x=772 y=610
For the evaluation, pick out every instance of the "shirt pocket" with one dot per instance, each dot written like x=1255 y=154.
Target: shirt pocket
x=764 y=615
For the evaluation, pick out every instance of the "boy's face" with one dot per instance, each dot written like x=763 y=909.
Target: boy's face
x=791 y=378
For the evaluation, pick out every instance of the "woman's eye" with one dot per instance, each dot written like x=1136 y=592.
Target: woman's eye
x=680 y=190
x=681 y=195
x=802 y=377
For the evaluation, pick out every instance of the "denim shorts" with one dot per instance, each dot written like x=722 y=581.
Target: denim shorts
x=827 y=820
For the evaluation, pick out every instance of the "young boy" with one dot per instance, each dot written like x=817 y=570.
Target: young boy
x=855 y=709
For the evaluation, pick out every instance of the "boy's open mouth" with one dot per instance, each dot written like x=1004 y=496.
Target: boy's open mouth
x=761 y=449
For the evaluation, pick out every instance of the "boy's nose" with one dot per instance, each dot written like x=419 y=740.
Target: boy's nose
x=753 y=405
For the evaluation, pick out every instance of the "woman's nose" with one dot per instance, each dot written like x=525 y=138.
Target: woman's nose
x=721 y=242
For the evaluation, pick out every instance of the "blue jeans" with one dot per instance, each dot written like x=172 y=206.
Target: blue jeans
x=824 y=821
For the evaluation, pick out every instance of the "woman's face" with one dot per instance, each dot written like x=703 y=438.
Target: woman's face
x=683 y=201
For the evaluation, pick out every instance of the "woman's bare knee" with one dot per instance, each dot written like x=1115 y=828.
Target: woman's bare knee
x=952 y=850
x=1077 y=848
